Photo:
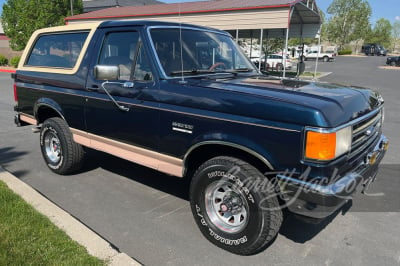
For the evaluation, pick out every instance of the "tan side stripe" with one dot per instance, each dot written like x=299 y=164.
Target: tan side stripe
x=163 y=163
x=28 y=119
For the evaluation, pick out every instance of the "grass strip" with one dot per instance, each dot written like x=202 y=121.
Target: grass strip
x=30 y=238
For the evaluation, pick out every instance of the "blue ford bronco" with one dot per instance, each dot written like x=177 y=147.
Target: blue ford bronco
x=184 y=100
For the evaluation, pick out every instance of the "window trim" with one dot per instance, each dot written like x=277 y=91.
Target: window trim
x=59 y=33
x=88 y=27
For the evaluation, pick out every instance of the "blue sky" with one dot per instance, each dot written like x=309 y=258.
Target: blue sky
x=388 y=9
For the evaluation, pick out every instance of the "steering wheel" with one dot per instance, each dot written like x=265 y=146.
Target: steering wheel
x=214 y=66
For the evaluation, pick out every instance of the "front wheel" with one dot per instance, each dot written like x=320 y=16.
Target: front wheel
x=234 y=205
x=60 y=152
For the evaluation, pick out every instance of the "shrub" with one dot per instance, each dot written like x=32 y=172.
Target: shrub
x=15 y=61
x=345 y=52
x=3 y=60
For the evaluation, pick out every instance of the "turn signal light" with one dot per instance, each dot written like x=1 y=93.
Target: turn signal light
x=324 y=146
x=320 y=146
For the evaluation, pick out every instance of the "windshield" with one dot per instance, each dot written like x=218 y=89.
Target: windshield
x=200 y=52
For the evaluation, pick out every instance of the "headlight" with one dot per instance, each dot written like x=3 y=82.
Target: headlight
x=325 y=146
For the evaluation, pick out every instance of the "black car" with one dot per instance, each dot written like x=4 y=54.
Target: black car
x=393 y=61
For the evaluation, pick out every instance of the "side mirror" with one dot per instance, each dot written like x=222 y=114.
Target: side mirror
x=104 y=72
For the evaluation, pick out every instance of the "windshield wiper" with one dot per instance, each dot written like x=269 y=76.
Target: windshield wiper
x=245 y=69
x=191 y=72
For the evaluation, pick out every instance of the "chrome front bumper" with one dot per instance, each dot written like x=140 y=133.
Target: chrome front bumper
x=319 y=201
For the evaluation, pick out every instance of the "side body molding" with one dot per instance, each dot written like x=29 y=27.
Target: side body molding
x=161 y=162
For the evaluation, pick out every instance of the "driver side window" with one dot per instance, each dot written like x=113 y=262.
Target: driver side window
x=123 y=49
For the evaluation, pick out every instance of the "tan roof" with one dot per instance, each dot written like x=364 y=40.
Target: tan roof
x=183 y=8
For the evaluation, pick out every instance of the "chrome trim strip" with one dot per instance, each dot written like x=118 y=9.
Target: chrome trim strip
x=160 y=162
x=229 y=144
x=351 y=123
x=182 y=130
x=369 y=123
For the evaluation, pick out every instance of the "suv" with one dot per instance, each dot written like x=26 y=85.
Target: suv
x=274 y=62
x=393 y=61
x=374 y=49
x=324 y=56
x=184 y=100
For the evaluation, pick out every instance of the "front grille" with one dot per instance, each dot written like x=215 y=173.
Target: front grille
x=365 y=133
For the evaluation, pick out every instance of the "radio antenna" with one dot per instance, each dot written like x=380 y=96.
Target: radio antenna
x=181 y=42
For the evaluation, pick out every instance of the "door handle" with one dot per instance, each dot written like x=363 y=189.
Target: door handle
x=93 y=88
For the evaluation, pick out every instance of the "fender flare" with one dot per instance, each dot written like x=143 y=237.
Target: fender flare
x=227 y=144
x=49 y=103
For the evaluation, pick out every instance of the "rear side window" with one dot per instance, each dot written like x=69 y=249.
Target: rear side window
x=57 y=50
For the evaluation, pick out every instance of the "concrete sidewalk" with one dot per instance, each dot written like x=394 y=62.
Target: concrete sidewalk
x=94 y=244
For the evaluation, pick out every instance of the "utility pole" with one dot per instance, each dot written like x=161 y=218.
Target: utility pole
x=72 y=7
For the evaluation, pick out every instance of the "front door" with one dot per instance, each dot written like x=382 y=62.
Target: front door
x=134 y=127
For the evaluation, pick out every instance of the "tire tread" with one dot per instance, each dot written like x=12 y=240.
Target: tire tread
x=273 y=218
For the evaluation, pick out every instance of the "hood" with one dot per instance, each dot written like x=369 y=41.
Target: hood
x=331 y=104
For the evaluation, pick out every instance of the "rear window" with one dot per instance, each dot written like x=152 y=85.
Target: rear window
x=57 y=50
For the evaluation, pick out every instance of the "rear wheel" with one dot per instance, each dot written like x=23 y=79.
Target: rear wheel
x=326 y=59
x=393 y=63
x=60 y=152
x=233 y=206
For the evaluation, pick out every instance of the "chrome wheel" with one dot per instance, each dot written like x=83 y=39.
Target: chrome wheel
x=52 y=147
x=226 y=206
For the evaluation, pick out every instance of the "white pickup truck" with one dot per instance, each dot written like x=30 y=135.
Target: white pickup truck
x=325 y=56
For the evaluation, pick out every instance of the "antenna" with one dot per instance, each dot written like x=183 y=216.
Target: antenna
x=181 y=46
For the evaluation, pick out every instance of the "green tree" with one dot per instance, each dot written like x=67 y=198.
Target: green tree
x=395 y=34
x=381 y=33
x=362 y=27
x=20 y=18
x=349 y=20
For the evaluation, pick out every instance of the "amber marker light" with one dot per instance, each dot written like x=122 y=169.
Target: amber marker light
x=323 y=146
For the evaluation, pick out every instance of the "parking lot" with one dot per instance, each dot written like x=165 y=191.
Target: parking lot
x=147 y=215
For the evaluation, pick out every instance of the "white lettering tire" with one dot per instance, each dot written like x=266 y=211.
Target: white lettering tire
x=235 y=206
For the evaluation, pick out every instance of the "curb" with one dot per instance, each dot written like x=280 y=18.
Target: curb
x=94 y=244
x=8 y=70
x=389 y=67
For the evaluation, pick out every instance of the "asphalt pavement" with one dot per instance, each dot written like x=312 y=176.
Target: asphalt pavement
x=147 y=215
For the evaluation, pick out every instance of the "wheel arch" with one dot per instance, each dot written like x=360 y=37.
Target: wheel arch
x=46 y=108
x=204 y=151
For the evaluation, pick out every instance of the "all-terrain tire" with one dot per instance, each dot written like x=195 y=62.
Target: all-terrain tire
x=235 y=206
x=60 y=152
